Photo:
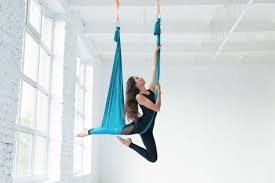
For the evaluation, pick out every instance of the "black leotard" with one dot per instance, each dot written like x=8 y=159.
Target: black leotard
x=137 y=126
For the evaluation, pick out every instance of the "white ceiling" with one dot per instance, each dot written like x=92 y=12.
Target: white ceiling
x=186 y=29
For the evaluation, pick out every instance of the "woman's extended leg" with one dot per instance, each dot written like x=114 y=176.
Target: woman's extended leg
x=127 y=130
x=150 y=153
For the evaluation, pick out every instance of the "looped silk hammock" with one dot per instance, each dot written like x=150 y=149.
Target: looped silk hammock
x=113 y=118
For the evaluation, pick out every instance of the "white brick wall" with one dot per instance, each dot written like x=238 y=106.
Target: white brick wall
x=11 y=36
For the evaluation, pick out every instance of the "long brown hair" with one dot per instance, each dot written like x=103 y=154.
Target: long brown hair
x=131 y=104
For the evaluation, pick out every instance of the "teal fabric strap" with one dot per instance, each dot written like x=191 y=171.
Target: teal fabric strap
x=157 y=32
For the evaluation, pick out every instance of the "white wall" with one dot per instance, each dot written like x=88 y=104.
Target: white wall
x=216 y=124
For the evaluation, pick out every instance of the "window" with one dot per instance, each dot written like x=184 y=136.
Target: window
x=80 y=92
x=33 y=118
x=83 y=117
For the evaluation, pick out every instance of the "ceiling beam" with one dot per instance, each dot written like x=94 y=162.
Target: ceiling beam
x=182 y=37
x=187 y=46
x=192 y=53
x=193 y=58
x=92 y=27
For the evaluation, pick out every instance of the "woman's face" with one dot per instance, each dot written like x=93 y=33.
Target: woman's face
x=139 y=81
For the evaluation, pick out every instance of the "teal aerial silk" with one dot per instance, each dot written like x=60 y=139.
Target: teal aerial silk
x=157 y=34
x=113 y=119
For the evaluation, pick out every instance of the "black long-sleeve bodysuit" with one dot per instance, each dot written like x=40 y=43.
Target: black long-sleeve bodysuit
x=137 y=126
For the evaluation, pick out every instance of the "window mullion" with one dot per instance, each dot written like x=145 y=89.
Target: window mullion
x=37 y=37
x=47 y=50
x=31 y=30
x=28 y=130
x=34 y=84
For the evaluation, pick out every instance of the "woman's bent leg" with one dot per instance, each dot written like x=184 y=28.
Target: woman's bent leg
x=150 y=153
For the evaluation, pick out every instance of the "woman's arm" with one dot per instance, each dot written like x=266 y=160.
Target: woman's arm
x=152 y=84
x=148 y=103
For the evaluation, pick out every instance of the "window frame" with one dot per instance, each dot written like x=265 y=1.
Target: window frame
x=37 y=37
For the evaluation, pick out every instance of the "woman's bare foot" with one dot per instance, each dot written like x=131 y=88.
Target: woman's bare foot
x=83 y=133
x=126 y=142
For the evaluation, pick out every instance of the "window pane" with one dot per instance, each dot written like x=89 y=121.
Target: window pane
x=39 y=156
x=47 y=31
x=27 y=105
x=35 y=14
x=31 y=57
x=42 y=111
x=23 y=164
x=44 y=69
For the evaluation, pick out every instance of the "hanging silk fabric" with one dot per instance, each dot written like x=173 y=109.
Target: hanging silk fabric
x=113 y=118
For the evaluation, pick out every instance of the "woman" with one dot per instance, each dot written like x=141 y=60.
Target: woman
x=137 y=94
